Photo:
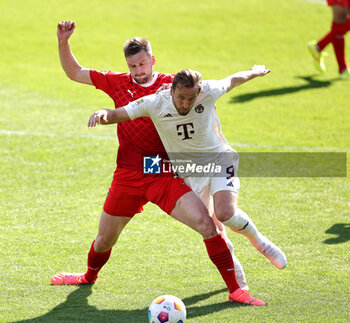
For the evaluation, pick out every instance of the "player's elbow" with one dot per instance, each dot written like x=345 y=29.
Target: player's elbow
x=80 y=75
x=72 y=75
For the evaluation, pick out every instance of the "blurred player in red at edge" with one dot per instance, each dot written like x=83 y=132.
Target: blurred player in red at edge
x=130 y=188
x=340 y=26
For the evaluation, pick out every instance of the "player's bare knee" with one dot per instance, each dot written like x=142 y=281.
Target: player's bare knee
x=339 y=14
x=225 y=214
x=207 y=228
x=102 y=245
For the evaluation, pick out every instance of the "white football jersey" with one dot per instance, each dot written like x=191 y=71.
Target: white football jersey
x=194 y=135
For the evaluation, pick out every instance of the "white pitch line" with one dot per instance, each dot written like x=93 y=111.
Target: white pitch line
x=45 y=134
x=233 y=144
x=322 y=2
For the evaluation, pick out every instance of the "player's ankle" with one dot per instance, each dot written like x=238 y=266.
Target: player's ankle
x=90 y=278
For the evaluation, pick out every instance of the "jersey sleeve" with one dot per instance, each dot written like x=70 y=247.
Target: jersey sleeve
x=102 y=80
x=143 y=107
x=215 y=88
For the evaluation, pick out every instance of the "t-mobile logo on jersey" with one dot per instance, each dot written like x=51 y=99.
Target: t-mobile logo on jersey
x=186 y=130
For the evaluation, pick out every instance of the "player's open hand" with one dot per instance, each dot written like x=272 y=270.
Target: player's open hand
x=260 y=70
x=99 y=117
x=164 y=86
x=65 y=29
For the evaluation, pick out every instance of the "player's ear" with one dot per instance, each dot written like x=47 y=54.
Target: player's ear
x=153 y=60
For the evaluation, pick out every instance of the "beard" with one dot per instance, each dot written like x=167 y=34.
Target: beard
x=142 y=79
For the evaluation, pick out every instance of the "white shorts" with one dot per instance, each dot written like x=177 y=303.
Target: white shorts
x=206 y=187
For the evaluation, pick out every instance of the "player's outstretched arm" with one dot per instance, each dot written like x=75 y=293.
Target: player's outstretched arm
x=69 y=63
x=242 y=77
x=107 y=116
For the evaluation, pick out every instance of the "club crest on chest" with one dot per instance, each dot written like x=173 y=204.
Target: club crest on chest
x=199 y=108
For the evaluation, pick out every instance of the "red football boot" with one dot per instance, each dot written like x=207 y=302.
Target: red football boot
x=70 y=279
x=242 y=296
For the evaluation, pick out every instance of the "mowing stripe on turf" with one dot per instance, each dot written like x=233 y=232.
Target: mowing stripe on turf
x=47 y=134
x=233 y=144
x=322 y=2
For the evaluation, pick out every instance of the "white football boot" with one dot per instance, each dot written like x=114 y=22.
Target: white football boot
x=272 y=253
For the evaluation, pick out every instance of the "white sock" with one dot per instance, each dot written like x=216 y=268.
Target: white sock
x=241 y=223
x=239 y=272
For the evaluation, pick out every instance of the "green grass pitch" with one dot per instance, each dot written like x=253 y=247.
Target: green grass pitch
x=55 y=172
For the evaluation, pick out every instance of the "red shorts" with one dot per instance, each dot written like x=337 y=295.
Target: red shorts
x=131 y=190
x=344 y=3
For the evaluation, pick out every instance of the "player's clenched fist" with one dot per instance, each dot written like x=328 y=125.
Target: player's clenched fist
x=65 y=29
x=99 y=117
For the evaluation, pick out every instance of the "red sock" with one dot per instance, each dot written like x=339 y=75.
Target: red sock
x=221 y=257
x=96 y=261
x=323 y=42
x=338 y=32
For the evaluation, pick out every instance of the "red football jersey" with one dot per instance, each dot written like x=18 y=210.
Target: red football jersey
x=139 y=137
x=343 y=3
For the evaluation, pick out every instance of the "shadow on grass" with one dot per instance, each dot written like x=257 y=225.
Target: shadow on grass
x=311 y=83
x=342 y=232
x=77 y=309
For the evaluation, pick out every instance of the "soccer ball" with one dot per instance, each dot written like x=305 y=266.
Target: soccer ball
x=167 y=309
